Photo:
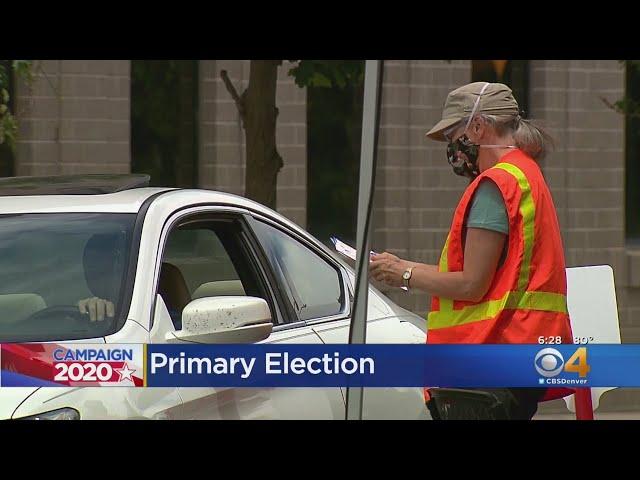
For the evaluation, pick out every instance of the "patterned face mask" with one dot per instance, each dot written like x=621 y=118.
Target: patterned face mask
x=462 y=155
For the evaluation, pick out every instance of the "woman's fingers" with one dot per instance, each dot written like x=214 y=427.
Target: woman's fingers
x=97 y=308
x=101 y=307
x=110 y=309
x=378 y=271
x=82 y=306
x=93 y=309
x=383 y=268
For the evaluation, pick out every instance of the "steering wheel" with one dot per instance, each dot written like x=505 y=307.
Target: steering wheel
x=69 y=315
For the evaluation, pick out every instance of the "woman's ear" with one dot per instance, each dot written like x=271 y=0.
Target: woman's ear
x=479 y=127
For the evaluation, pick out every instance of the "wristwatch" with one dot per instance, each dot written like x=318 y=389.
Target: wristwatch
x=406 y=276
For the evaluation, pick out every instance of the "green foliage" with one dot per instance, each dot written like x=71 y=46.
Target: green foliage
x=334 y=129
x=328 y=73
x=629 y=104
x=24 y=70
x=334 y=122
x=8 y=124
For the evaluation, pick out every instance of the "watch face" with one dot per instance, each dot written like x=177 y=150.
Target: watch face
x=406 y=275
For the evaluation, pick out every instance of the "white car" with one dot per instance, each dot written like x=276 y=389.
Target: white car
x=149 y=252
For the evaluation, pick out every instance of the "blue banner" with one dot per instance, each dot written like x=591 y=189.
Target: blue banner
x=293 y=365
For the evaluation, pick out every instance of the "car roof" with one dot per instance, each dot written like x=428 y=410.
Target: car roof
x=131 y=201
x=82 y=184
x=104 y=193
x=125 y=201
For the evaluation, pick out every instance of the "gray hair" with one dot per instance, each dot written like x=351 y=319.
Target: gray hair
x=528 y=136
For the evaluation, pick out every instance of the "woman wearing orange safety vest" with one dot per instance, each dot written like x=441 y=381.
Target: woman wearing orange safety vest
x=501 y=276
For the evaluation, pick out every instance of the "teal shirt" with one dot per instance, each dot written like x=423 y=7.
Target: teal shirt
x=488 y=211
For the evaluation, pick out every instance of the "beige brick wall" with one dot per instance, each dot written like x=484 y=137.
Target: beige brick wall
x=222 y=149
x=416 y=191
x=586 y=176
x=586 y=170
x=74 y=118
x=222 y=152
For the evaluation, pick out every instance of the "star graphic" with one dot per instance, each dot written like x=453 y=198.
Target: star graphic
x=124 y=373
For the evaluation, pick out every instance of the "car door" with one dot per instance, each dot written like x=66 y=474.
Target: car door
x=321 y=301
x=383 y=403
x=315 y=287
x=209 y=251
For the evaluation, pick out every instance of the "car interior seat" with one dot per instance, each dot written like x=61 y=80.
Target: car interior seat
x=173 y=290
x=220 y=288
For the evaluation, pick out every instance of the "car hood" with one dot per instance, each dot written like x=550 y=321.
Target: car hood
x=11 y=398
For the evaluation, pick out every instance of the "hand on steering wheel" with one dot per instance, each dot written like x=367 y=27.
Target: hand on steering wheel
x=97 y=308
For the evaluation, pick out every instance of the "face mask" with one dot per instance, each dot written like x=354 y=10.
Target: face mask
x=462 y=154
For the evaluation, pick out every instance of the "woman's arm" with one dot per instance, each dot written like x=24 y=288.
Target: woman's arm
x=481 y=256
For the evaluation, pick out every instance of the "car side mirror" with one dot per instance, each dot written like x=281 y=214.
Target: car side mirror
x=228 y=319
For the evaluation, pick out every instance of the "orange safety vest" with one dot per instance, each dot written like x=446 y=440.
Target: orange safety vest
x=527 y=297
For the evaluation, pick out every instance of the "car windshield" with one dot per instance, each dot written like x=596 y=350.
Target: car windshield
x=54 y=268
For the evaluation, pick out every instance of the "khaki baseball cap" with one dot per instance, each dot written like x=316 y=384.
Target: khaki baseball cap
x=497 y=99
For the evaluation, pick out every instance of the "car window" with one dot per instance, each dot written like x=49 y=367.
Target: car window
x=315 y=286
x=204 y=260
x=201 y=258
x=49 y=263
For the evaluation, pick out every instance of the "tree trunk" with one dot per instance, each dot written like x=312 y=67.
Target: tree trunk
x=263 y=161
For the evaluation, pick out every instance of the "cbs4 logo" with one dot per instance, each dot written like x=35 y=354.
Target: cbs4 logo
x=549 y=362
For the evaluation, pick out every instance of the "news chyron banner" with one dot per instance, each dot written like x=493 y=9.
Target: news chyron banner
x=277 y=365
x=71 y=365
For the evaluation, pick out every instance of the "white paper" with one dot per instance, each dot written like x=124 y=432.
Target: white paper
x=346 y=250
x=349 y=252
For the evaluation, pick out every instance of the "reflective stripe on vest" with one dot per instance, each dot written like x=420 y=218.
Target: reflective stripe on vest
x=520 y=299
x=528 y=213
x=445 y=303
x=545 y=301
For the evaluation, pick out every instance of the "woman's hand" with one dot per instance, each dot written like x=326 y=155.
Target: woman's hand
x=386 y=267
x=97 y=308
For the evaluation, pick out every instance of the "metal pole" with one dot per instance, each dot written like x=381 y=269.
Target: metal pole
x=370 y=115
